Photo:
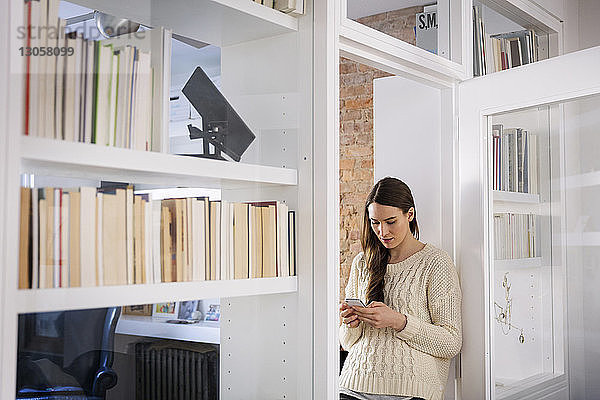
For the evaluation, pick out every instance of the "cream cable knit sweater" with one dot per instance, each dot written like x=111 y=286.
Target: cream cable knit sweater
x=414 y=361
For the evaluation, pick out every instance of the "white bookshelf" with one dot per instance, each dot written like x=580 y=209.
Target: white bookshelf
x=505 y=16
x=538 y=292
x=139 y=325
x=42 y=300
x=69 y=159
x=239 y=28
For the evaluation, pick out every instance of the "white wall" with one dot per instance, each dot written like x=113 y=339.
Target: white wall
x=407 y=145
x=589 y=28
x=555 y=7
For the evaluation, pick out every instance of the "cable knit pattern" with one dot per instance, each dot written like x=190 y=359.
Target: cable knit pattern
x=414 y=361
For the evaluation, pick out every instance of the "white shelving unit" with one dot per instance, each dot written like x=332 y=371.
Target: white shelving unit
x=138 y=325
x=239 y=28
x=537 y=286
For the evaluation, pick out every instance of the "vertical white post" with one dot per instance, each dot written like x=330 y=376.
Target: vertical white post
x=326 y=199
x=4 y=82
x=11 y=120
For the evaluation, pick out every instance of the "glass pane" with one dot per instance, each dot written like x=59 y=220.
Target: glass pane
x=418 y=22
x=526 y=298
x=544 y=277
x=168 y=350
x=582 y=164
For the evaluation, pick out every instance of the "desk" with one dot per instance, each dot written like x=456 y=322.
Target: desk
x=206 y=332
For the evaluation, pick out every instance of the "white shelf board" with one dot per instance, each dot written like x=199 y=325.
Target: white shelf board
x=42 y=300
x=216 y=22
x=583 y=180
x=138 y=325
x=518 y=263
x=515 y=197
x=80 y=160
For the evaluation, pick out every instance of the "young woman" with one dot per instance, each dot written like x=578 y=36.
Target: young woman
x=400 y=345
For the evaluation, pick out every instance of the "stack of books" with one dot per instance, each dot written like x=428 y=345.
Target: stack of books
x=515 y=160
x=91 y=237
x=84 y=90
x=515 y=236
x=493 y=53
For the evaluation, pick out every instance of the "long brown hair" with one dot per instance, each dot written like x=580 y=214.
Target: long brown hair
x=388 y=192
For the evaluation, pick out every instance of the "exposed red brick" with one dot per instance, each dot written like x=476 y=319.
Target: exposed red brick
x=347 y=67
x=356 y=133
x=359 y=103
x=350 y=115
x=366 y=163
x=347 y=163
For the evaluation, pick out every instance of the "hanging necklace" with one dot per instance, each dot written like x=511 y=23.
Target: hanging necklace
x=504 y=314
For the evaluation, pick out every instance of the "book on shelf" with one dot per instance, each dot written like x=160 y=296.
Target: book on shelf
x=215 y=241
x=56 y=237
x=515 y=236
x=25 y=239
x=90 y=91
x=514 y=160
x=292 y=241
x=71 y=237
x=241 y=236
x=74 y=278
x=256 y=243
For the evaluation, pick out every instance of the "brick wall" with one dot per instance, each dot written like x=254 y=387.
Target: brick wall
x=356 y=134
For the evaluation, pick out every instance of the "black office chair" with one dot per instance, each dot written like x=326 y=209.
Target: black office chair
x=66 y=355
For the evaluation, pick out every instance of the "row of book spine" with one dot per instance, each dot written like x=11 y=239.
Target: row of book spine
x=493 y=53
x=84 y=90
x=515 y=236
x=515 y=160
x=91 y=237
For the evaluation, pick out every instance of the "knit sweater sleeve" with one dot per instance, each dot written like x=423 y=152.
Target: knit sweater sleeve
x=443 y=336
x=349 y=336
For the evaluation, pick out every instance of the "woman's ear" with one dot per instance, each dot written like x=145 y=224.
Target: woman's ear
x=411 y=214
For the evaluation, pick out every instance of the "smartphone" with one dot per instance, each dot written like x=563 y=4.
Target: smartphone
x=355 y=302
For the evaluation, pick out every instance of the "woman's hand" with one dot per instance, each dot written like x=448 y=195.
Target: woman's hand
x=348 y=315
x=379 y=315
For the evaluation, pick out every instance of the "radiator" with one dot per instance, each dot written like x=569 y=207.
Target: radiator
x=170 y=372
